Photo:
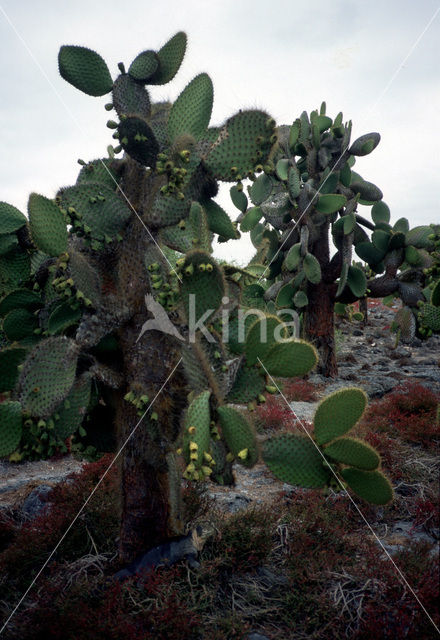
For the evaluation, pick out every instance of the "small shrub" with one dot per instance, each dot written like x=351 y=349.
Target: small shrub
x=274 y=414
x=299 y=390
x=408 y=412
x=244 y=540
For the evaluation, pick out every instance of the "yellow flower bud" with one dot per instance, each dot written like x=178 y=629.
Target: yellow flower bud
x=243 y=454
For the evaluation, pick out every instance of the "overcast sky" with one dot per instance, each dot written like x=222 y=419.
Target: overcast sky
x=376 y=61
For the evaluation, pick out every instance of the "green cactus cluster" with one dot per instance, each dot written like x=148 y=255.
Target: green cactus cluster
x=330 y=455
x=76 y=278
x=309 y=192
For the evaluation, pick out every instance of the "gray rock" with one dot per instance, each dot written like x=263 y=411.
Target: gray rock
x=254 y=635
x=36 y=502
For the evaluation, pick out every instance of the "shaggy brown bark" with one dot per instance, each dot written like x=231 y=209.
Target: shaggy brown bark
x=150 y=484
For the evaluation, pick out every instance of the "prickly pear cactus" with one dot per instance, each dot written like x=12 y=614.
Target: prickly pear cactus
x=115 y=313
x=308 y=192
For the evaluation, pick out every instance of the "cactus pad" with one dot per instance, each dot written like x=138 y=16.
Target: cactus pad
x=261 y=337
x=405 y=321
x=330 y=202
x=47 y=225
x=372 y=486
x=71 y=412
x=170 y=58
x=248 y=384
x=218 y=220
x=20 y=298
x=291 y=358
x=430 y=316
x=47 y=376
x=238 y=435
x=295 y=459
x=130 y=98
x=242 y=142
x=10 y=358
x=11 y=218
x=144 y=66
x=365 y=144
x=203 y=279
x=191 y=112
x=101 y=210
x=85 y=70
x=197 y=428
x=338 y=413
x=19 y=323
x=138 y=140
x=353 y=452
x=62 y=317
x=98 y=171
x=10 y=427
x=15 y=268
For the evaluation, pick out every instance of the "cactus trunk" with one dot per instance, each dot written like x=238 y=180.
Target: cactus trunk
x=319 y=326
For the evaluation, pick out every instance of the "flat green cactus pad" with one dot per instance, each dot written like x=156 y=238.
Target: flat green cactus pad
x=98 y=171
x=170 y=58
x=330 y=202
x=338 y=413
x=101 y=210
x=203 y=284
x=405 y=321
x=430 y=316
x=242 y=143
x=131 y=98
x=295 y=459
x=62 y=317
x=15 y=269
x=85 y=277
x=364 y=144
x=144 y=66
x=190 y=233
x=47 y=376
x=10 y=427
x=11 y=219
x=47 y=225
x=8 y=241
x=191 y=112
x=197 y=429
x=248 y=384
x=20 y=298
x=261 y=189
x=71 y=412
x=353 y=452
x=357 y=281
x=262 y=336
x=372 y=486
x=10 y=358
x=238 y=435
x=218 y=220
x=138 y=140
x=290 y=359
x=85 y=70
x=19 y=323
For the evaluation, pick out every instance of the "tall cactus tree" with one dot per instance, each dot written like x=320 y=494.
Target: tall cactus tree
x=80 y=278
x=308 y=192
